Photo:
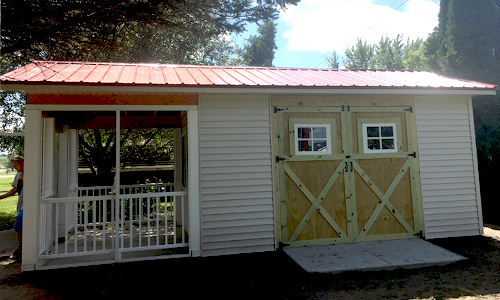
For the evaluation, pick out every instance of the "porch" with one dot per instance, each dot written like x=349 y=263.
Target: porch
x=145 y=221
x=133 y=212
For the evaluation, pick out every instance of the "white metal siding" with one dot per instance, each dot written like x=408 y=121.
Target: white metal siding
x=448 y=167
x=236 y=179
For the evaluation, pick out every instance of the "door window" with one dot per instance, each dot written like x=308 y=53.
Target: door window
x=312 y=139
x=380 y=138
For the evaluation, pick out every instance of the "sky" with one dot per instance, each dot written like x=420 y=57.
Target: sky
x=309 y=32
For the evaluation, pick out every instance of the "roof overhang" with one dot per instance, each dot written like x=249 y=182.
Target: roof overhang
x=50 y=88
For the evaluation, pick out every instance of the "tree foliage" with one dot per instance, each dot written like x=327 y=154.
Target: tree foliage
x=137 y=146
x=333 y=62
x=259 y=49
x=465 y=44
x=48 y=29
x=12 y=120
x=387 y=54
x=360 y=56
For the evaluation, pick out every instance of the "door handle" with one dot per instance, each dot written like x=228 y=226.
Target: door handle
x=346 y=167
x=351 y=166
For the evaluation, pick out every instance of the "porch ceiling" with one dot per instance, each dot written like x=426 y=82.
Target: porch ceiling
x=106 y=119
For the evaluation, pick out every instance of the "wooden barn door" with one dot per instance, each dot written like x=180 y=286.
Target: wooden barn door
x=333 y=187
x=383 y=172
x=313 y=179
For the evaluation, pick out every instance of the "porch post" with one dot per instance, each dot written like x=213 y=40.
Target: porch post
x=117 y=186
x=32 y=189
x=48 y=164
x=194 y=183
x=177 y=160
x=73 y=162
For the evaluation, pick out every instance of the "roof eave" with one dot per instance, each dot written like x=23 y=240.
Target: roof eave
x=51 y=87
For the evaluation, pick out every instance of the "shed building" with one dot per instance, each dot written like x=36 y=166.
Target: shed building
x=265 y=158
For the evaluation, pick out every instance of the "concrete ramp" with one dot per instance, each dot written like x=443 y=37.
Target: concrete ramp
x=371 y=256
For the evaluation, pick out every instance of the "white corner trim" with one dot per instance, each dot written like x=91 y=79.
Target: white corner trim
x=475 y=162
x=194 y=202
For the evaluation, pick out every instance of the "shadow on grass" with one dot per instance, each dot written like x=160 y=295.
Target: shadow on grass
x=7 y=220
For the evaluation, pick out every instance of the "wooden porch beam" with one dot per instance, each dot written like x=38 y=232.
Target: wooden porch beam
x=86 y=99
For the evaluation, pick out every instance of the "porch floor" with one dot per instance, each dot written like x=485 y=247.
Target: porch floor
x=371 y=256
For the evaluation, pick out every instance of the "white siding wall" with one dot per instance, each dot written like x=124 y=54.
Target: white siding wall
x=448 y=167
x=236 y=178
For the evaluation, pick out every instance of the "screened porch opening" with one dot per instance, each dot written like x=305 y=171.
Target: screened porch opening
x=93 y=211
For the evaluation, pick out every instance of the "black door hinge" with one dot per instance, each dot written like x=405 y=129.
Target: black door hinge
x=278 y=159
x=420 y=234
x=276 y=109
x=410 y=109
x=414 y=154
x=344 y=107
x=283 y=245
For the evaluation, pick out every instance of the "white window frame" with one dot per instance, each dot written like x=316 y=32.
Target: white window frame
x=366 y=138
x=328 y=138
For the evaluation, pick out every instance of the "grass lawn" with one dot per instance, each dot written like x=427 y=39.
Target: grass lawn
x=7 y=205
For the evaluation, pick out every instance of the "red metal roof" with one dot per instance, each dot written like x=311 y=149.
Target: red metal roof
x=93 y=73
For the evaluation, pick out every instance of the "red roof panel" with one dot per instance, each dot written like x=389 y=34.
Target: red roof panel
x=156 y=76
x=214 y=76
x=113 y=74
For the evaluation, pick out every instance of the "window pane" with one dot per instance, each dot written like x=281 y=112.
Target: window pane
x=387 y=144
x=374 y=144
x=304 y=133
x=372 y=131
x=387 y=131
x=305 y=146
x=320 y=145
x=319 y=132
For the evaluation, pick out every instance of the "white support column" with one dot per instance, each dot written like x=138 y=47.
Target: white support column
x=32 y=190
x=62 y=173
x=48 y=162
x=73 y=162
x=177 y=159
x=117 y=186
x=194 y=183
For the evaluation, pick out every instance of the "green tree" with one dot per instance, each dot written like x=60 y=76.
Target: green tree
x=465 y=44
x=137 y=146
x=12 y=120
x=59 y=28
x=389 y=53
x=414 y=55
x=259 y=49
x=333 y=62
x=360 y=56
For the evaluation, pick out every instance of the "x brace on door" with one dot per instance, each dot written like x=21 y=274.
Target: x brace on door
x=384 y=199
x=316 y=204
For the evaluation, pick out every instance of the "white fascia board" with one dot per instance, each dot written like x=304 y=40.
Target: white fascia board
x=63 y=89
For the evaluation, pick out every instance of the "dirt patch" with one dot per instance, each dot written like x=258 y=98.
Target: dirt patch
x=266 y=276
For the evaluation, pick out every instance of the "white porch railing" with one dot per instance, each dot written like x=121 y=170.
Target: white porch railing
x=126 y=189
x=145 y=217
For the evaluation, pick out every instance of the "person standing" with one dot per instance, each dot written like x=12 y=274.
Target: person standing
x=17 y=162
